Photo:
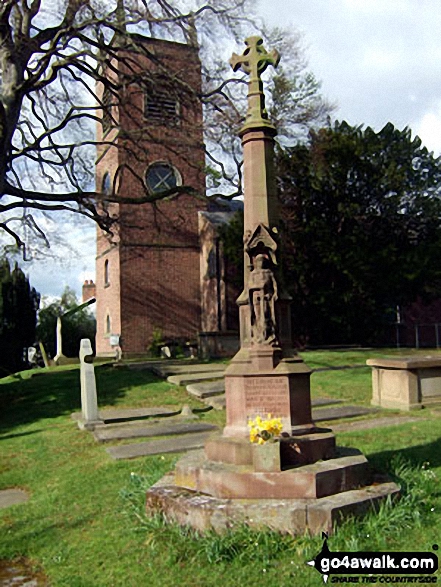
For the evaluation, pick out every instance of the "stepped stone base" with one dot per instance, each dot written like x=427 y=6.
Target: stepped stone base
x=302 y=447
x=349 y=470
x=293 y=516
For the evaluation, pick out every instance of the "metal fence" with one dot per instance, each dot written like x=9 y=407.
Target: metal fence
x=418 y=335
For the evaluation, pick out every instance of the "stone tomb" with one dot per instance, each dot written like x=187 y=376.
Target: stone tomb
x=406 y=383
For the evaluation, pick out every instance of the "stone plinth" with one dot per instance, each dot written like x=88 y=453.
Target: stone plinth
x=304 y=447
x=258 y=383
x=406 y=383
x=321 y=479
x=293 y=516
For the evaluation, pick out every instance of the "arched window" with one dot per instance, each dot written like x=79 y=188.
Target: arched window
x=108 y=324
x=107 y=184
x=106 y=273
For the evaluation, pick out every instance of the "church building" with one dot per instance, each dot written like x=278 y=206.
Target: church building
x=160 y=273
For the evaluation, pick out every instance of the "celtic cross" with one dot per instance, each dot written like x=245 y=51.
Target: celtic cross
x=254 y=61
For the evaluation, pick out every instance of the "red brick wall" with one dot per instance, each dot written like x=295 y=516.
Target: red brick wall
x=154 y=281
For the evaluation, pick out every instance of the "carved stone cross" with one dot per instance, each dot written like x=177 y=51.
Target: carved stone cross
x=254 y=60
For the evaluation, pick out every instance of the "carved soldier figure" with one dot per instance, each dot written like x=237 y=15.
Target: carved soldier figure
x=262 y=295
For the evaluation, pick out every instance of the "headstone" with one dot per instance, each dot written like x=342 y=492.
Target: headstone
x=89 y=402
x=166 y=352
x=32 y=355
x=59 y=358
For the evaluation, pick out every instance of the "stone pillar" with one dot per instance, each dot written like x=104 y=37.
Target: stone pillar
x=266 y=375
x=89 y=404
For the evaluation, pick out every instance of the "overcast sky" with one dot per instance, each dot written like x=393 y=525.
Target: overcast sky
x=379 y=61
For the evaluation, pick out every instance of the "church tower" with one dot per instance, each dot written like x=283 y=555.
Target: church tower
x=147 y=271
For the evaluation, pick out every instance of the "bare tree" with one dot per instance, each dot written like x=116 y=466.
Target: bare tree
x=57 y=59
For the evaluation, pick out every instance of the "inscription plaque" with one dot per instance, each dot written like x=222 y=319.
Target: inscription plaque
x=264 y=395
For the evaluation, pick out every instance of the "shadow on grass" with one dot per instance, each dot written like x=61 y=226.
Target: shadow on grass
x=9 y=436
x=28 y=399
x=419 y=454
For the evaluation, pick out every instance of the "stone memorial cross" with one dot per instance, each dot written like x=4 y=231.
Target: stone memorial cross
x=254 y=61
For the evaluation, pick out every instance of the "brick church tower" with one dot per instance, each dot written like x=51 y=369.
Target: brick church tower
x=147 y=273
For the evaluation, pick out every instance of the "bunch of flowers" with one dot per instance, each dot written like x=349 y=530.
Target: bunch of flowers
x=262 y=430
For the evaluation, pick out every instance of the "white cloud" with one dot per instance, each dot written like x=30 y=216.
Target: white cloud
x=429 y=130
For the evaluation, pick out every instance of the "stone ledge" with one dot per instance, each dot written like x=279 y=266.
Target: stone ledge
x=293 y=516
x=405 y=363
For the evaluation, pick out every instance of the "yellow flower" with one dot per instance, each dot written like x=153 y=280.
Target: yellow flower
x=264 y=430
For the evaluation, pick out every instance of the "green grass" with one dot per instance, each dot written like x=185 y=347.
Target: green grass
x=85 y=526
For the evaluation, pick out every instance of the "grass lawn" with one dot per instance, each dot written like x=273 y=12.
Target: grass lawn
x=84 y=524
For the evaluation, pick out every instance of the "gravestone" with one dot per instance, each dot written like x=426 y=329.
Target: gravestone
x=90 y=417
x=306 y=470
x=59 y=358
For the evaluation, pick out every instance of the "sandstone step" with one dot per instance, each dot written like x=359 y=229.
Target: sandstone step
x=103 y=434
x=155 y=447
x=293 y=516
x=167 y=370
x=348 y=470
x=186 y=378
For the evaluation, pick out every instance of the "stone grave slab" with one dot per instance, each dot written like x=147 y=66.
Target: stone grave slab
x=323 y=414
x=207 y=388
x=186 y=378
x=155 y=447
x=146 y=365
x=167 y=370
x=325 y=401
x=13 y=496
x=217 y=402
x=115 y=414
x=375 y=423
x=167 y=428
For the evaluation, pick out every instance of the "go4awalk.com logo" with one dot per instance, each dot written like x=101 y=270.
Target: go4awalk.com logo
x=407 y=567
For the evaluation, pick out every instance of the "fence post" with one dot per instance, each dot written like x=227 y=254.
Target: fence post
x=417 y=337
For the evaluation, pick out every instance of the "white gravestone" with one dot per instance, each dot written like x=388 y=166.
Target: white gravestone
x=89 y=403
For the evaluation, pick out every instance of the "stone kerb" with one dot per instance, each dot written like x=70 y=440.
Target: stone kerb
x=90 y=417
x=406 y=383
